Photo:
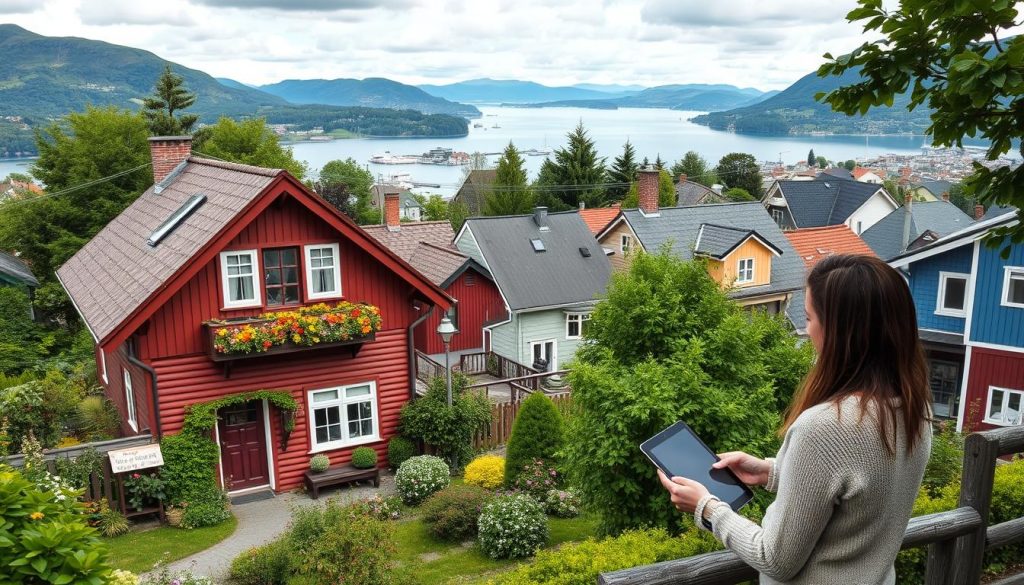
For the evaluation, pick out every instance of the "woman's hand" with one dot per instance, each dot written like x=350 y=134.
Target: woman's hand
x=749 y=469
x=685 y=492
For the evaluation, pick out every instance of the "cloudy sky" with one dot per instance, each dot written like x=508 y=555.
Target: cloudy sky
x=766 y=44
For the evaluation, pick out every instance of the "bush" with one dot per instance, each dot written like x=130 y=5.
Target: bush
x=580 y=563
x=512 y=526
x=97 y=419
x=364 y=458
x=946 y=460
x=263 y=565
x=119 y=577
x=536 y=434
x=76 y=471
x=421 y=476
x=536 y=479
x=452 y=513
x=208 y=509
x=109 y=521
x=400 y=449
x=381 y=508
x=162 y=575
x=319 y=463
x=448 y=428
x=486 y=471
x=562 y=503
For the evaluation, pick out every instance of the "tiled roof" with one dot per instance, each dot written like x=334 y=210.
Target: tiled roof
x=813 y=244
x=691 y=193
x=406 y=239
x=939 y=217
x=437 y=263
x=472 y=192
x=598 y=218
x=827 y=201
x=16 y=268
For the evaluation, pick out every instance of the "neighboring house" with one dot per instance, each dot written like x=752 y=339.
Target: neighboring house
x=474 y=189
x=12 y=189
x=931 y=190
x=14 y=272
x=839 y=173
x=916 y=224
x=427 y=247
x=598 y=218
x=409 y=207
x=813 y=244
x=828 y=201
x=864 y=175
x=692 y=193
x=970 y=313
x=550 y=271
x=745 y=250
x=220 y=241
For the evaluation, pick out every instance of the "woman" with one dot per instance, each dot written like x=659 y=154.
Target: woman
x=856 y=440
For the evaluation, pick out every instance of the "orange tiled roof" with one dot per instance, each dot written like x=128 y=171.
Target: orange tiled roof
x=813 y=244
x=598 y=218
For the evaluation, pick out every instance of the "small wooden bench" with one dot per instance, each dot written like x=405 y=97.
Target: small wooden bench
x=337 y=476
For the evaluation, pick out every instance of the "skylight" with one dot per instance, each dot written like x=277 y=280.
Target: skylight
x=179 y=215
x=585 y=252
x=538 y=245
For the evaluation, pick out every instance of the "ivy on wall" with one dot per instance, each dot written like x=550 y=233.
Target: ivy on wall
x=200 y=418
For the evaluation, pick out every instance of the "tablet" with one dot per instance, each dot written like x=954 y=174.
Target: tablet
x=678 y=451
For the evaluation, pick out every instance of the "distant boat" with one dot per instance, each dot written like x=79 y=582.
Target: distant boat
x=478 y=125
x=538 y=151
x=391 y=159
x=495 y=126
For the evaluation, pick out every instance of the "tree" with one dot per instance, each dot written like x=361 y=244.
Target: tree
x=822 y=162
x=169 y=96
x=668 y=344
x=738 y=169
x=658 y=163
x=19 y=336
x=536 y=434
x=811 y=159
x=435 y=207
x=666 y=189
x=958 y=197
x=249 y=142
x=457 y=214
x=623 y=173
x=349 y=187
x=477 y=162
x=850 y=165
x=510 y=194
x=575 y=174
x=695 y=168
x=953 y=60
x=738 y=194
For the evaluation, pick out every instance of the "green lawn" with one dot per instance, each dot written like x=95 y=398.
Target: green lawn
x=138 y=551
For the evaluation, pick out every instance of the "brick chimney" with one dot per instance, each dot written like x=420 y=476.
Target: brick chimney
x=682 y=178
x=647 y=190
x=979 y=211
x=167 y=153
x=391 y=216
x=945 y=195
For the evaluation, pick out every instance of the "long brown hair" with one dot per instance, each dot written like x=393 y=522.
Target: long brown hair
x=870 y=345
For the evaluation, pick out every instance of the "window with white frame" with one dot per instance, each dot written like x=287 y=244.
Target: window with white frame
x=238 y=274
x=1003 y=406
x=343 y=416
x=625 y=243
x=323 y=271
x=952 y=297
x=1013 y=287
x=745 y=271
x=129 y=401
x=576 y=325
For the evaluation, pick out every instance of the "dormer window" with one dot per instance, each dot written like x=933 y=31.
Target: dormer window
x=745 y=271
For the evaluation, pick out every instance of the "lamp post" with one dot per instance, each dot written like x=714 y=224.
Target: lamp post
x=445 y=329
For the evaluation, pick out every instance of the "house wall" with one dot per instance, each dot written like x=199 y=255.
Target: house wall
x=543 y=326
x=990 y=367
x=991 y=322
x=467 y=244
x=504 y=338
x=117 y=364
x=479 y=302
x=924 y=286
x=871 y=212
x=613 y=239
x=725 y=271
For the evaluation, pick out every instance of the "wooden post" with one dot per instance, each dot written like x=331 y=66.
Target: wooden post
x=939 y=567
x=980 y=454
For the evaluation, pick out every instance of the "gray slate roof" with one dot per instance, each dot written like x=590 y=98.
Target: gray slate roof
x=940 y=217
x=16 y=269
x=717 y=241
x=559 y=276
x=839 y=173
x=828 y=201
x=936 y=188
x=681 y=224
x=691 y=193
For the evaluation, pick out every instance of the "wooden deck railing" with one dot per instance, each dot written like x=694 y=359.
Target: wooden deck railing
x=497 y=365
x=957 y=540
x=427 y=368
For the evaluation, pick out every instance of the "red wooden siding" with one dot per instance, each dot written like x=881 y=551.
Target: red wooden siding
x=117 y=363
x=192 y=379
x=990 y=367
x=175 y=329
x=478 y=303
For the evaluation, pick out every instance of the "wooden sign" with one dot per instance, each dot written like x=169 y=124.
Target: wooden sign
x=135 y=458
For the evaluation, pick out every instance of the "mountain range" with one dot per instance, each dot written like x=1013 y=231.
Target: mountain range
x=373 y=92
x=694 y=97
x=514 y=91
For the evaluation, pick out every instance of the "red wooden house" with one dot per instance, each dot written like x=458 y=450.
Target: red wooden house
x=427 y=246
x=221 y=241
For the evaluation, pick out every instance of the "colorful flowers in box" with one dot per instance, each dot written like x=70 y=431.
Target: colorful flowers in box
x=305 y=326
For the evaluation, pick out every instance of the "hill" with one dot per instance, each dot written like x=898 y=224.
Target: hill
x=497 y=91
x=695 y=96
x=373 y=92
x=233 y=83
x=794 y=111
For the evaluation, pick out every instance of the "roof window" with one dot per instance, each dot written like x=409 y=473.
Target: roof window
x=179 y=215
x=538 y=245
x=584 y=251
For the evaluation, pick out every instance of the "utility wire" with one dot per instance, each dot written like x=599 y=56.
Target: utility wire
x=75 y=188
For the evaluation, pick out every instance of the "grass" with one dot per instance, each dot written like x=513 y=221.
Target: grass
x=138 y=551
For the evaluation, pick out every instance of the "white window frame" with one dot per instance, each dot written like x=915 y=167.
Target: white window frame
x=1007 y=392
x=1011 y=273
x=257 y=285
x=129 y=401
x=576 y=317
x=739 y=271
x=342 y=403
x=625 y=243
x=940 y=302
x=103 y=366
x=336 y=293
x=553 y=362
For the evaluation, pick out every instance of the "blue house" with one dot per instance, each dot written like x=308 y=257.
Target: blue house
x=970 y=313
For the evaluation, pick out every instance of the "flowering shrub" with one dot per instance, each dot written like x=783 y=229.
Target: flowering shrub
x=364 y=458
x=537 y=478
x=486 y=471
x=382 y=508
x=319 y=463
x=121 y=577
x=512 y=526
x=307 y=326
x=161 y=575
x=562 y=503
x=421 y=476
x=143 y=488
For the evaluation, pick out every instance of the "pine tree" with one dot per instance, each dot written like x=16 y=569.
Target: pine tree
x=510 y=194
x=658 y=163
x=811 y=159
x=574 y=175
x=169 y=96
x=623 y=173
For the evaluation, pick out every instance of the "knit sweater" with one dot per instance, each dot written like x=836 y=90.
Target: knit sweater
x=843 y=502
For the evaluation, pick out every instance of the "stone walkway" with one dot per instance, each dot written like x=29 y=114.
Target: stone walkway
x=263 y=521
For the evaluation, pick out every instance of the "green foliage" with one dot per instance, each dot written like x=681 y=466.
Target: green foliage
x=364 y=458
x=249 y=142
x=452 y=513
x=169 y=95
x=510 y=194
x=822 y=162
x=75 y=472
x=435 y=207
x=319 y=463
x=562 y=503
x=45 y=538
x=739 y=169
x=537 y=433
x=512 y=526
x=574 y=174
x=738 y=194
x=448 y=428
x=536 y=479
x=97 y=418
x=207 y=508
x=850 y=165
x=811 y=159
x=201 y=417
x=375 y=122
x=19 y=335
x=666 y=189
x=111 y=522
x=346 y=185
x=421 y=476
x=46 y=407
x=262 y=565
x=188 y=470
x=15 y=379
x=143 y=490
x=946 y=461
x=457 y=215
x=667 y=345
x=695 y=168
x=580 y=563
x=400 y=449
x=486 y=471
x=622 y=173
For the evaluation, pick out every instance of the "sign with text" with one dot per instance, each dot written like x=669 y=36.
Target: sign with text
x=135 y=458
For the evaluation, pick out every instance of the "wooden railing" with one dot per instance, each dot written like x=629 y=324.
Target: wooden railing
x=426 y=368
x=957 y=540
x=496 y=365
x=502 y=417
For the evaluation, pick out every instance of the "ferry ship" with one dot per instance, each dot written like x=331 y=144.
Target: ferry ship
x=392 y=159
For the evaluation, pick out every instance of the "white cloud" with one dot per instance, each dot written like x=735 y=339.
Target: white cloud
x=110 y=12
x=19 y=6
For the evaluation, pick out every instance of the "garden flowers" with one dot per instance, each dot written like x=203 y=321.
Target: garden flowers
x=305 y=326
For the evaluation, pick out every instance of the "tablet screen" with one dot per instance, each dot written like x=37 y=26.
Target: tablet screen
x=679 y=452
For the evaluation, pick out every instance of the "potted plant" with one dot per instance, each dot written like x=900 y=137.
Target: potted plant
x=143 y=490
x=319 y=463
x=175 y=514
x=364 y=458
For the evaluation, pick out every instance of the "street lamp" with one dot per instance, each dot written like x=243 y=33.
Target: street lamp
x=445 y=329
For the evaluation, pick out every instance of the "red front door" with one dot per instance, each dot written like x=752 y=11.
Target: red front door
x=243 y=446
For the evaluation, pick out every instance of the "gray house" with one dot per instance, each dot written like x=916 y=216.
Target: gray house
x=916 y=224
x=550 y=271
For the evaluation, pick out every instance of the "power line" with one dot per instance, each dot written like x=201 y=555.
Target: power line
x=76 y=187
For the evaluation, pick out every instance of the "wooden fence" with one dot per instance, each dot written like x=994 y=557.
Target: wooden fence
x=502 y=417
x=426 y=368
x=496 y=365
x=957 y=540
